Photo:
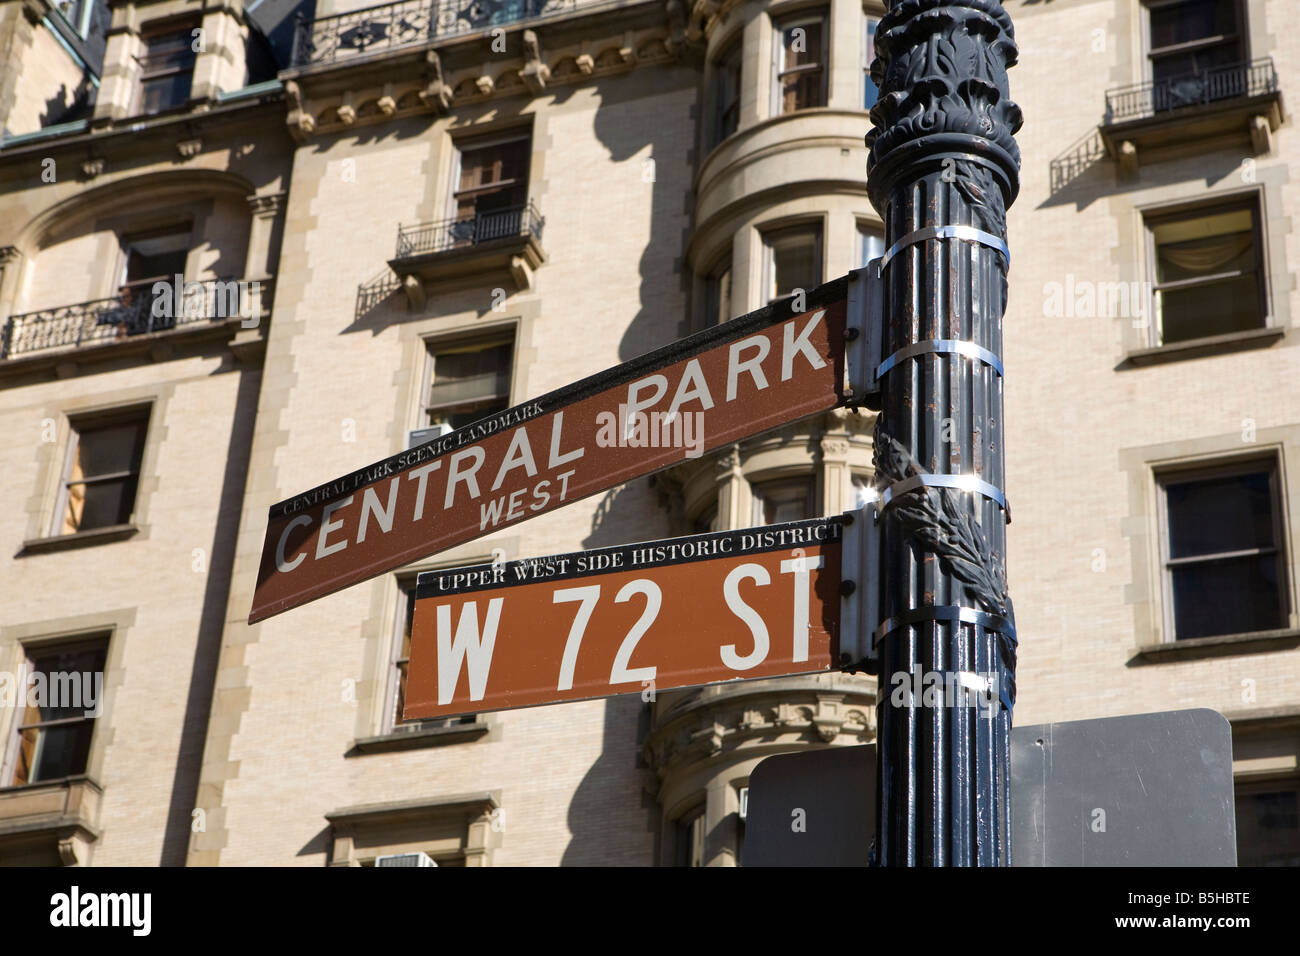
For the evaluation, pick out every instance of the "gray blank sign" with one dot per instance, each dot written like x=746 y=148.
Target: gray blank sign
x=1142 y=790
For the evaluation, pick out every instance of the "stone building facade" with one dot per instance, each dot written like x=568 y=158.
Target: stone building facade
x=387 y=221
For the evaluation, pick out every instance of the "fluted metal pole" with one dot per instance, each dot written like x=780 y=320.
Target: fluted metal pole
x=942 y=170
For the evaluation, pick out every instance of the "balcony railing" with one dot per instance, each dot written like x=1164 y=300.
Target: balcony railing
x=451 y=234
x=1191 y=89
x=388 y=26
x=130 y=314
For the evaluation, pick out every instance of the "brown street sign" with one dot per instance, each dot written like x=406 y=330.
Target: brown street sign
x=637 y=618
x=735 y=380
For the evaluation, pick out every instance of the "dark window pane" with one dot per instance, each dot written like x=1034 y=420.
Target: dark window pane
x=1193 y=20
x=727 y=96
x=1232 y=596
x=102 y=504
x=143 y=264
x=801 y=91
x=164 y=92
x=1217 y=515
x=776 y=503
x=796 y=260
x=802 y=44
x=1268 y=826
x=110 y=449
x=61 y=751
x=67 y=692
x=1215 y=309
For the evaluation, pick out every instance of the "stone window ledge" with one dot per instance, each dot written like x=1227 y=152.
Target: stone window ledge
x=418 y=739
x=1220 y=645
x=79 y=539
x=1198 y=348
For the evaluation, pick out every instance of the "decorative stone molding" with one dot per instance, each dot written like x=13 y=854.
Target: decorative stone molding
x=414 y=289
x=535 y=73
x=299 y=120
x=189 y=148
x=92 y=167
x=734 y=720
x=459 y=825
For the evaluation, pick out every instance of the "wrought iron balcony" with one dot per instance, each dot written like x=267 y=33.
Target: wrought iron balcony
x=448 y=234
x=127 y=315
x=503 y=243
x=1191 y=89
x=388 y=26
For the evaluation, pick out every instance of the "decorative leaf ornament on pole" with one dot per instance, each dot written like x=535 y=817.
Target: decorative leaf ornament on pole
x=942 y=170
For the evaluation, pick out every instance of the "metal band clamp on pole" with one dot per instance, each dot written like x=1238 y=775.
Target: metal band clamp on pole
x=969 y=233
x=948 y=346
x=959 y=482
x=952 y=613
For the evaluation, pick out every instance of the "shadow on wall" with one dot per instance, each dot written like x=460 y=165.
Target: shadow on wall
x=625 y=125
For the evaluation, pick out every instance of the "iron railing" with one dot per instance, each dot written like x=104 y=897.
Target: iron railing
x=1191 y=89
x=387 y=26
x=462 y=233
x=129 y=314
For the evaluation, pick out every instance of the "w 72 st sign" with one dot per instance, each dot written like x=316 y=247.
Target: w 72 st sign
x=762 y=602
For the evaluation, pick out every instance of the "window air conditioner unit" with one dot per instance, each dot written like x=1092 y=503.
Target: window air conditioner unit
x=418 y=436
x=404 y=859
x=744 y=802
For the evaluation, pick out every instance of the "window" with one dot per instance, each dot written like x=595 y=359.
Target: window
x=1189 y=38
x=869 y=92
x=1208 y=277
x=776 y=502
x=794 y=260
x=717 y=292
x=147 y=259
x=1222 y=550
x=726 y=94
x=871 y=244
x=401 y=661
x=690 y=839
x=59 y=710
x=166 y=70
x=1268 y=823
x=467 y=382
x=800 y=64
x=103 y=470
x=492 y=188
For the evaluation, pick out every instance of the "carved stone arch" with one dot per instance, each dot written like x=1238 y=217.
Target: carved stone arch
x=466 y=89
x=410 y=100
x=653 y=49
x=610 y=58
x=508 y=81
x=160 y=187
x=566 y=70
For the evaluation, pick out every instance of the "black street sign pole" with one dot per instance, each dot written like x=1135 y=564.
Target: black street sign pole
x=943 y=167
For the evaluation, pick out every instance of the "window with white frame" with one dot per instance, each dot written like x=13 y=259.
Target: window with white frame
x=799 y=71
x=793 y=260
x=467 y=381
x=1208 y=271
x=871 y=243
x=1223 y=549
x=102 y=471
x=869 y=92
x=788 y=499
x=62 y=686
